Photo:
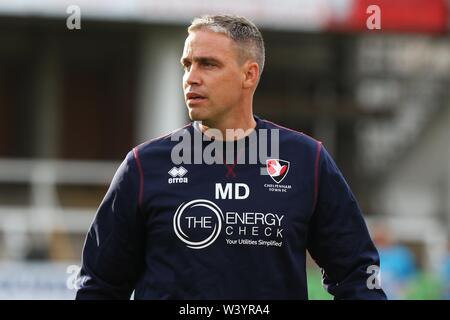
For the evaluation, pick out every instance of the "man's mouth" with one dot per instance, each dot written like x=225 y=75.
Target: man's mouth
x=193 y=97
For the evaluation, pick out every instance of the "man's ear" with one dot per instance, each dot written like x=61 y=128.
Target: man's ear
x=251 y=74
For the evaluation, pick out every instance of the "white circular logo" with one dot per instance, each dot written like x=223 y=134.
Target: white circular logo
x=196 y=222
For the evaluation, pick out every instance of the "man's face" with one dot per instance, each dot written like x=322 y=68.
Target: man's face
x=213 y=77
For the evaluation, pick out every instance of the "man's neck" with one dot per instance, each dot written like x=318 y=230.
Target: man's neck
x=232 y=128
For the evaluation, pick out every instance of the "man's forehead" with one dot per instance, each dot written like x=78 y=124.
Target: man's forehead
x=207 y=43
x=207 y=35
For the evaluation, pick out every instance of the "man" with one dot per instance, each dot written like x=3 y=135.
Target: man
x=233 y=230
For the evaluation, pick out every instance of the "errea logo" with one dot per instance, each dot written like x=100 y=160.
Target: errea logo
x=177 y=174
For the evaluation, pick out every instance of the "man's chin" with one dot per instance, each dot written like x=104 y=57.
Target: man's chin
x=195 y=115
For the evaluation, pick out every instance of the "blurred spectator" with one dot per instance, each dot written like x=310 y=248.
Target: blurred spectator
x=445 y=275
x=398 y=266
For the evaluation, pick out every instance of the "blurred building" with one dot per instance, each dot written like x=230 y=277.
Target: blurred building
x=74 y=102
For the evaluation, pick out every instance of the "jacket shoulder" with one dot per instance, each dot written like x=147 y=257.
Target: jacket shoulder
x=291 y=136
x=162 y=142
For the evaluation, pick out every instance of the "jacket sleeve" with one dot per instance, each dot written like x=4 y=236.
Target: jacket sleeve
x=112 y=258
x=338 y=239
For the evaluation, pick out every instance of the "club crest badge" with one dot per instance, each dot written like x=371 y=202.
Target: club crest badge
x=277 y=169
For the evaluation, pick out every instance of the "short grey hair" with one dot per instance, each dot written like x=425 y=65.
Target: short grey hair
x=248 y=38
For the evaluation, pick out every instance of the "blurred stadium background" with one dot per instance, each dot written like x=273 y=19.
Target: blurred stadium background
x=74 y=102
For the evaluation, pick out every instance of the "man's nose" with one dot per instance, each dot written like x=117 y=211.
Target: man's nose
x=192 y=76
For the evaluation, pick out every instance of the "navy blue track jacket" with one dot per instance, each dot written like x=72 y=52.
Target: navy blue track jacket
x=227 y=231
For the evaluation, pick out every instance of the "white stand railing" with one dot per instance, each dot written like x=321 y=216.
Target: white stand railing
x=44 y=214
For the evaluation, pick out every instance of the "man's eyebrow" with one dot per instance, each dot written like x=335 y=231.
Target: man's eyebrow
x=200 y=60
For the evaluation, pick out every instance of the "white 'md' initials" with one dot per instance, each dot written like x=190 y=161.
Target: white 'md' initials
x=241 y=191
x=237 y=194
